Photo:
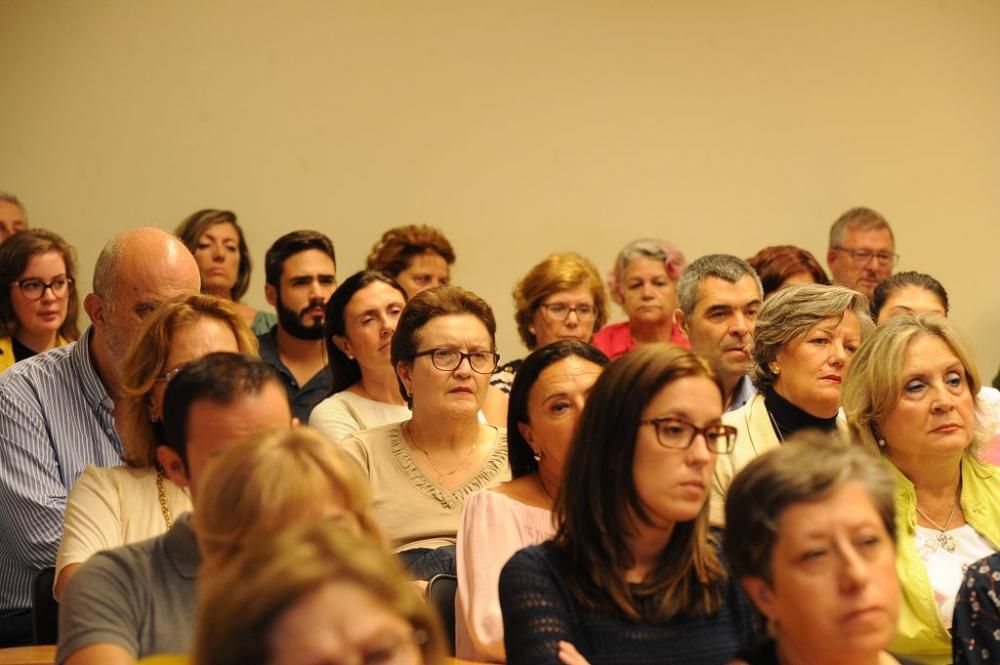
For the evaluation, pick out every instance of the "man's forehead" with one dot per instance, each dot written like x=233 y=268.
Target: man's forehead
x=714 y=291
x=873 y=238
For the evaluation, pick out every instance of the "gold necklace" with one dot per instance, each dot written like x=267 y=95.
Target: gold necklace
x=945 y=539
x=440 y=475
x=164 y=510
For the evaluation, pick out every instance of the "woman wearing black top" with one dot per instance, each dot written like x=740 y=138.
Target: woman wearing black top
x=633 y=575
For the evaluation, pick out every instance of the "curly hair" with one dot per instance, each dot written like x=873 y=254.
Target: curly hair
x=654 y=249
x=394 y=250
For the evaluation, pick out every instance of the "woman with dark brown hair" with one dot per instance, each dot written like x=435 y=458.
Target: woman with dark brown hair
x=633 y=574
x=786 y=265
x=38 y=304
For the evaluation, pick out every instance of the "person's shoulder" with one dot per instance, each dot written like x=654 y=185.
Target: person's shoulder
x=388 y=432
x=38 y=368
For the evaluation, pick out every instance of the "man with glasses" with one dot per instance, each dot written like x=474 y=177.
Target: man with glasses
x=57 y=410
x=301 y=275
x=862 y=250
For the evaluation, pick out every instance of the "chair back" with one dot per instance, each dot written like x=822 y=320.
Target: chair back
x=441 y=590
x=44 y=608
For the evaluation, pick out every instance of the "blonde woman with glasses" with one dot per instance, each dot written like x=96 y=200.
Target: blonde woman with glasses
x=111 y=507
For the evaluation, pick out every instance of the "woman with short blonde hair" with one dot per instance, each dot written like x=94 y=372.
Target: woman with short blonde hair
x=271 y=479
x=314 y=591
x=111 y=507
x=910 y=397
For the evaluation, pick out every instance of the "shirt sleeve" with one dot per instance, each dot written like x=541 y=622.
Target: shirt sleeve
x=535 y=612
x=101 y=605
x=93 y=519
x=334 y=419
x=487 y=538
x=358 y=451
x=32 y=493
x=975 y=638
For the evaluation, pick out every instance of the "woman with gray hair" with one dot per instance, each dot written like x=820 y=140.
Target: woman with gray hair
x=803 y=343
x=811 y=536
x=644 y=282
x=910 y=399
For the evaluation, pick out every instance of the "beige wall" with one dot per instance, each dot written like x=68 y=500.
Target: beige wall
x=520 y=128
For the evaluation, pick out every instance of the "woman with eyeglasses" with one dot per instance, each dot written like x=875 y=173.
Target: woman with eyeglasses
x=38 y=304
x=111 y=507
x=561 y=297
x=644 y=282
x=633 y=574
x=421 y=470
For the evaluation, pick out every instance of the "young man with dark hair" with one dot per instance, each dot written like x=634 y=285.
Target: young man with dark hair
x=301 y=275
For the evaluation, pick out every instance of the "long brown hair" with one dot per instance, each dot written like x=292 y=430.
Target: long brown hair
x=14 y=256
x=599 y=499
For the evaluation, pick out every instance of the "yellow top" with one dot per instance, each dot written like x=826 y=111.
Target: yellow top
x=7 y=351
x=167 y=659
x=921 y=635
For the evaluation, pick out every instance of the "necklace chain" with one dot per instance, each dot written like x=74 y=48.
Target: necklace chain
x=945 y=539
x=430 y=460
x=164 y=510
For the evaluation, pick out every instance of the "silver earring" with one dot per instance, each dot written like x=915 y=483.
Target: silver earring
x=881 y=443
x=538 y=456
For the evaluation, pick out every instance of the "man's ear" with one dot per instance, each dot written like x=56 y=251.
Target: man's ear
x=271 y=295
x=96 y=310
x=762 y=596
x=173 y=466
x=681 y=322
x=831 y=257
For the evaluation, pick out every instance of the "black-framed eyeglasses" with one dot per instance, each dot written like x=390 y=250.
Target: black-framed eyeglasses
x=447 y=360
x=560 y=311
x=34 y=289
x=862 y=256
x=679 y=434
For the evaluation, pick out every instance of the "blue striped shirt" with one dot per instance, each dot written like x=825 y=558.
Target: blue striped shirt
x=55 y=419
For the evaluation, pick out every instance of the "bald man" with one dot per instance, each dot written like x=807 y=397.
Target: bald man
x=57 y=410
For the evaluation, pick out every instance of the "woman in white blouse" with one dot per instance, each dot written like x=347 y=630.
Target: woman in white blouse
x=111 y=507
x=546 y=399
x=361 y=317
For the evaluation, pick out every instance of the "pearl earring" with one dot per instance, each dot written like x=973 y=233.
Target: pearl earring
x=775 y=368
x=881 y=443
x=538 y=455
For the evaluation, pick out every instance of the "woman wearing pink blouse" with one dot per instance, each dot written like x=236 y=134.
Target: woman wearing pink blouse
x=545 y=401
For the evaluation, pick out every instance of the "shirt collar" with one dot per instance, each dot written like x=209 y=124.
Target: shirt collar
x=93 y=388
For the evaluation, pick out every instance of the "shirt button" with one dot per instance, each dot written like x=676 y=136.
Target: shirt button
x=109 y=430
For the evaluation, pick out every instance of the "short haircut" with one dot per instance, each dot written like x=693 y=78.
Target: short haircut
x=15 y=253
x=809 y=467
x=291 y=244
x=258 y=485
x=430 y=304
x=791 y=313
x=192 y=228
x=554 y=273
x=239 y=607
x=861 y=219
x=646 y=248
x=598 y=498
x=396 y=248
x=519 y=453
x=146 y=361
x=10 y=198
x=776 y=264
x=721 y=266
x=901 y=280
x=218 y=377
x=344 y=371
x=874 y=382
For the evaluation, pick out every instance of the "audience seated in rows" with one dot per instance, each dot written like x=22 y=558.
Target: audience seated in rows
x=804 y=341
x=301 y=274
x=314 y=593
x=786 y=265
x=361 y=317
x=113 y=506
x=39 y=309
x=546 y=399
x=718 y=298
x=56 y=409
x=811 y=534
x=909 y=397
x=644 y=282
x=216 y=240
x=13 y=216
x=633 y=574
x=417 y=256
x=561 y=297
x=422 y=470
x=862 y=250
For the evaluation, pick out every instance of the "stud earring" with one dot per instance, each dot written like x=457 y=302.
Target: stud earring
x=881 y=443
x=538 y=455
x=775 y=368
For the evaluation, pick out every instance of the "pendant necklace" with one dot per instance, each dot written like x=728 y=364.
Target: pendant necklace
x=945 y=539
